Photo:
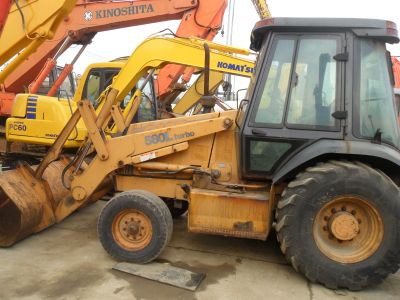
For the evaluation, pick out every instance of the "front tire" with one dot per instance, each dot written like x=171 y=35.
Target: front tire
x=135 y=226
x=338 y=224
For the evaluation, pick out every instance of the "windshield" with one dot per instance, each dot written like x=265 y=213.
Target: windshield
x=377 y=107
x=66 y=89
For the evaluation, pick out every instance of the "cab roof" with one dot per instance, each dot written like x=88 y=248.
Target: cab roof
x=373 y=28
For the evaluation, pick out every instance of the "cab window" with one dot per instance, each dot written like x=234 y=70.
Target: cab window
x=93 y=87
x=313 y=94
x=302 y=79
x=271 y=106
x=377 y=109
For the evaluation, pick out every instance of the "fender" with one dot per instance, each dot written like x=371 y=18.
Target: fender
x=323 y=147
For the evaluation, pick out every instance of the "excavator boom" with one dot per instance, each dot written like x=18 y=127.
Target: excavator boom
x=262 y=8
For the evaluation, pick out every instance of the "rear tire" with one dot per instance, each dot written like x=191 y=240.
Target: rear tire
x=135 y=226
x=338 y=224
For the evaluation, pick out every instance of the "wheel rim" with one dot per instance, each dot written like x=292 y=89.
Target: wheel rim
x=132 y=230
x=348 y=229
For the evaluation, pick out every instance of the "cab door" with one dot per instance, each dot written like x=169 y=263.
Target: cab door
x=297 y=99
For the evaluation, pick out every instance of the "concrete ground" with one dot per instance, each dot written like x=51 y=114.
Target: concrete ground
x=68 y=262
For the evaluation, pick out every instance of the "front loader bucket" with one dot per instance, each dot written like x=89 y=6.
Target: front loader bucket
x=27 y=204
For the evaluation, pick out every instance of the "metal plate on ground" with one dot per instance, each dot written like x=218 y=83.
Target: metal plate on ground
x=164 y=273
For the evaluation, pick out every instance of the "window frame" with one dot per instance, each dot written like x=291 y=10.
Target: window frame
x=102 y=73
x=340 y=68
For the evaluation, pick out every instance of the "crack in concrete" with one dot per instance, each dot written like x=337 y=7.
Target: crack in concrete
x=70 y=229
x=310 y=290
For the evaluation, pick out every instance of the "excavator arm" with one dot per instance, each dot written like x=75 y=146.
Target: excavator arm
x=262 y=9
x=204 y=22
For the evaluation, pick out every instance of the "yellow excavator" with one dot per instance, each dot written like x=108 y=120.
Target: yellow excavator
x=38 y=119
x=314 y=149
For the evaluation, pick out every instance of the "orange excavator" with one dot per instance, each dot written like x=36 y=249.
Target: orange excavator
x=200 y=18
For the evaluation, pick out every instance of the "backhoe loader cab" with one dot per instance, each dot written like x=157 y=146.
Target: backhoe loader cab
x=323 y=88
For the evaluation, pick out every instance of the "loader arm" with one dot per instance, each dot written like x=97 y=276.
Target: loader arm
x=201 y=18
x=114 y=153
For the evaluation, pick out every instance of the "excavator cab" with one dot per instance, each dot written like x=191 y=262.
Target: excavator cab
x=98 y=79
x=323 y=87
x=67 y=88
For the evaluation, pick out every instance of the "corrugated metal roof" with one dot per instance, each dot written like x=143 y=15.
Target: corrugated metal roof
x=396 y=71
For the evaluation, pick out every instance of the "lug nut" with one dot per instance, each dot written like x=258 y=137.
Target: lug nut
x=330 y=236
x=325 y=228
x=353 y=212
x=343 y=208
x=326 y=218
x=333 y=210
x=359 y=221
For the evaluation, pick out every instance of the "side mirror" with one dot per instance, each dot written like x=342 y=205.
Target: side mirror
x=242 y=104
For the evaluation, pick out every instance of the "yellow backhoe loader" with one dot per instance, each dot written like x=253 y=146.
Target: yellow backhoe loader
x=315 y=148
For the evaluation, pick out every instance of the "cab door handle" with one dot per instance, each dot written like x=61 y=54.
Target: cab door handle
x=256 y=131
